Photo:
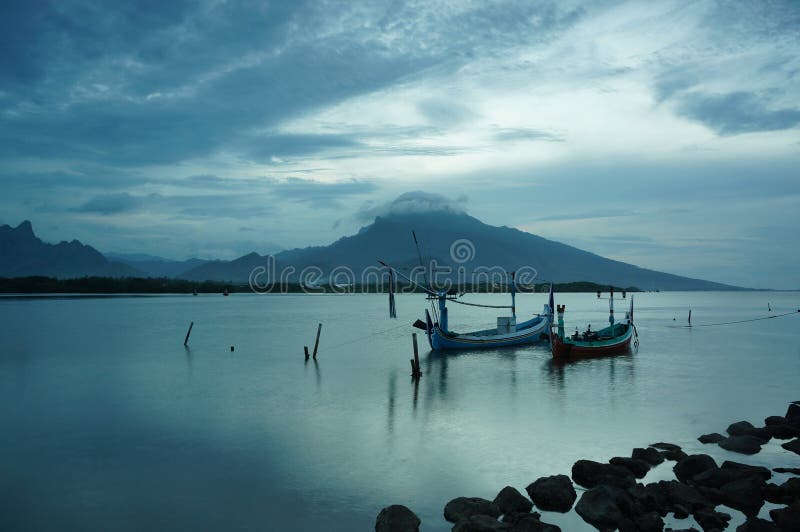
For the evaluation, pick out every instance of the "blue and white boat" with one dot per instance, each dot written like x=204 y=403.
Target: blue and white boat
x=507 y=332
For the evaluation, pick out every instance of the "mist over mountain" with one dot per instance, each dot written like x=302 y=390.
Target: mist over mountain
x=22 y=253
x=153 y=266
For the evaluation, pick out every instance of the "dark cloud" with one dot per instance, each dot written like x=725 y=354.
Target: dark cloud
x=526 y=134
x=112 y=203
x=736 y=112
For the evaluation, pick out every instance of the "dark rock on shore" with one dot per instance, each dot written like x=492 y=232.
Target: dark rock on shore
x=793 y=412
x=714 y=437
x=745 y=428
x=666 y=446
x=511 y=501
x=462 y=508
x=604 y=507
x=648 y=454
x=480 y=523
x=674 y=456
x=638 y=468
x=774 y=420
x=744 y=444
x=397 y=518
x=554 y=493
x=530 y=523
x=757 y=525
x=589 y=474
x=683 y=496
x=710 y=519
x=745 y=495
x=693 y=465
x=790 y=470
x=793 y=445
x=783 y=432
x=758 y=471
x=787 y=518
x=649 y=522
x=786 y=493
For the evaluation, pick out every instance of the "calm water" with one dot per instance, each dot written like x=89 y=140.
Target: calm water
x=108 y=423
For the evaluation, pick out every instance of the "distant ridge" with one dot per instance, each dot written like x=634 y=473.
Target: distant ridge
x=389 y=237
x=22 y=253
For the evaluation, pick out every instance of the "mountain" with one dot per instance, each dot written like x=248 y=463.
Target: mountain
x=389 y=238
x=23 y=254
x=153 y=266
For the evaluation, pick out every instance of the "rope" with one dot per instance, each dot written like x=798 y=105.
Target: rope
x=732 y=322
x=376 y=333
x=478 y=304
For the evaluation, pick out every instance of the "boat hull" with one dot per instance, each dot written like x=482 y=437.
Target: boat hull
x=534 y=332
x=570 y=349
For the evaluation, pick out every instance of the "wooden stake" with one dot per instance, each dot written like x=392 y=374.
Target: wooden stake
x=415 y=363
x=186 y=340
x=316 y=342
x=305 y=348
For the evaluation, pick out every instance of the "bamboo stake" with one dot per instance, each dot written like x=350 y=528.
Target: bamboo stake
x=316 y=342
x=186 y=340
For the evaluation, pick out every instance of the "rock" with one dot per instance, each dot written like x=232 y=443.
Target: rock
x=757 y=525
x=758 y=471
x=774 y=420
x=514 y=517
x=649 y=455
x=790 y=470
x=745 y=428
x=533 y=524
x=710 y=519
x=717 y=477
x=793 y=445
x=510 y=500
x=786 y=493
x=397 y=518
x=675 y=456
x=480 y=523
x=462 y=508
x=712 y=494
x=793 y=412
x=639 y=468
x=787 y=518
x=744 y=444
x=649 y=522
x=589 y=474
x=745 y=495
x=693 y=465
x=714 y=437
x=666 y=446
x=604 y=507
x=554 y=493
x=783 y=432
x=650 y=498
x=680 y=511
x=683 y=495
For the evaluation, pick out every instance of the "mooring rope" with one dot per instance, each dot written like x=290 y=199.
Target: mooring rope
x=734 y=322
x=362 y=337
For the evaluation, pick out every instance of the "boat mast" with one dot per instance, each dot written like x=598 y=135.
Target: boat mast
x=611 y=310
x=513 y=294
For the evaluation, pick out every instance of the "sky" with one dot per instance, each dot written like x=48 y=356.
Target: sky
x=664 y=134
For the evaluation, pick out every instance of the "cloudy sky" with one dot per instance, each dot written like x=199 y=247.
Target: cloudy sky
x=666 y=134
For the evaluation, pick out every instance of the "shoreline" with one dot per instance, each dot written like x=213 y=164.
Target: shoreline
x=614 y=499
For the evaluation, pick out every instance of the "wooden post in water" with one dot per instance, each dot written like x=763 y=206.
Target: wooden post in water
x=415 y=371
x=305 y=348
x=186 y=340
x=316 y=342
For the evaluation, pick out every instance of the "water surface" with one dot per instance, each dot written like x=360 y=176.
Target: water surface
x=109 y=423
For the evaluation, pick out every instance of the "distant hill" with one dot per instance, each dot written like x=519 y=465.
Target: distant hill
x=389 y=238
x=22 y=253
x=153 y=266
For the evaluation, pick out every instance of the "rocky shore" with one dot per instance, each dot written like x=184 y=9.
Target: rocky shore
x=613 y=499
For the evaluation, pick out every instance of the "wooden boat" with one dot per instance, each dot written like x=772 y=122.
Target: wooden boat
x=507 y=333
x=618 y=338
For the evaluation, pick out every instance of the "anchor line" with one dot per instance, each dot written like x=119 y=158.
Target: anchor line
x=734 y=322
